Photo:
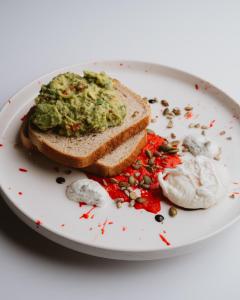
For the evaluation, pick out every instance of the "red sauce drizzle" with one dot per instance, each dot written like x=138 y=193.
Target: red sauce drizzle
x=86 y=215
x=153 y=195
x=196 y=86
x=164 y=239
x=103 y=227
x=82 y=204
x=212 y=123
x=188 y=115
x=23 y=170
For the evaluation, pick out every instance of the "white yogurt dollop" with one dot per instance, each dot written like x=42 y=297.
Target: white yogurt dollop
x=200 y=145
x=88 y=191
x=199 y=182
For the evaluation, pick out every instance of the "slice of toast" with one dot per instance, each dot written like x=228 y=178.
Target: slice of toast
x=112 y=163
x=80 y=152
x=123 y=156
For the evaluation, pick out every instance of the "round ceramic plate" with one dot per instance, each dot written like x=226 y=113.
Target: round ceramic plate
x=28 y=182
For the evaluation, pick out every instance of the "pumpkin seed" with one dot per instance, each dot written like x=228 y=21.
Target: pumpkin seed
x=140 y=200
x=136 y=166
x=173 y=151
x=147 y=179
x=191 y=125
x=188 y=108
x=157 y=154
x=164 y=148
x=204 y=127
x=113 y=180
x=132 y=196
x=149 y=168
x=137 y=174
x=170 y=124
x=164 y=102
x=172 y=211
x=131 y=180
x=131 y=203
x=123 y=184
x=197 y=125
x=166 y=111
x=151 y=161
x=148 y=153
x=177 y=111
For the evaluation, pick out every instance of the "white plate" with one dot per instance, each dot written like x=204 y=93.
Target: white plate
x=134 y=234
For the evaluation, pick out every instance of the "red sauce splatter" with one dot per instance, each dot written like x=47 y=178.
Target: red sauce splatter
x=38 y=223
x=103 y=227
x=24 y=118
x=1 y=145
x=23 y=170
x=110 y=222
x=153 y=195
x=20 y=193
x=164 y=239
x=82 y=204
x=188 y=115
x=211 y=123
x=124 y=228
x=196 y=86
x=86 y=215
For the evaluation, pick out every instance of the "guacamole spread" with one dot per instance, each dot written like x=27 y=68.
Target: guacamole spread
x=74 y=105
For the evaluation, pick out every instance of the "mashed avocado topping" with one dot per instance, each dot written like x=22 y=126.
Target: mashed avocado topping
x=74 y=105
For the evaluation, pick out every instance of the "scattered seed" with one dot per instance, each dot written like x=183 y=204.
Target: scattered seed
x=169 y=117
x=203 y=132
x=123 y=184
x=152 y=100
x=119 y=204
x=217 y=157
x=149 y=168
x=104 y=182
x=135 y=114
x=188 y=108
x=157 y=154
x=147 y=179
x=159 y=218
x=148 y=153
x=113 y=180
x=170 y=124
x=229 y=138
x=151 y=161
x=145 y=186
x=132 y=196
x=175 y=143
x=153 y=120
x=166 y=111
x=176 y=111
x=164 y=102
x=136 y=166
x=140 y=200
x=172 y=211
x=232 y=196
x=132 y=203
x=131 y=180
x=164 y=148
x=173 y=135
x=204 y=127
x=191 y=125
x=197 y=125
x=173 y=151
x=222 y=132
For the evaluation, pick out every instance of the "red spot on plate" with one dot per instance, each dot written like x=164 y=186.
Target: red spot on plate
x=38 y=223
x=23 y=170
x=20 y=193
x=212 y=123
x=163 y=238
x=196 y=86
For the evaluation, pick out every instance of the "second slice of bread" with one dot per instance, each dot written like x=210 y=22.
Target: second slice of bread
x=79 y=152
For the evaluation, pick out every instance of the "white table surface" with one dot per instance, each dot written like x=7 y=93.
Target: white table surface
x=39 y=36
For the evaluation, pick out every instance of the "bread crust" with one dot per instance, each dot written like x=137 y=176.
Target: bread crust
x=38 y=141
x=102 y=170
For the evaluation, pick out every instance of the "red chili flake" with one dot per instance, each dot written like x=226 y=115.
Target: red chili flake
x=20 y=193
x=82 y=204
x=196 y=86
x=211 y=123
x=124 y=228
x=1 y=145
x=38 y=223
x=23 y=170
x=164 y=239
x=110 y=222
x=24 y=118
x=86 y=215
